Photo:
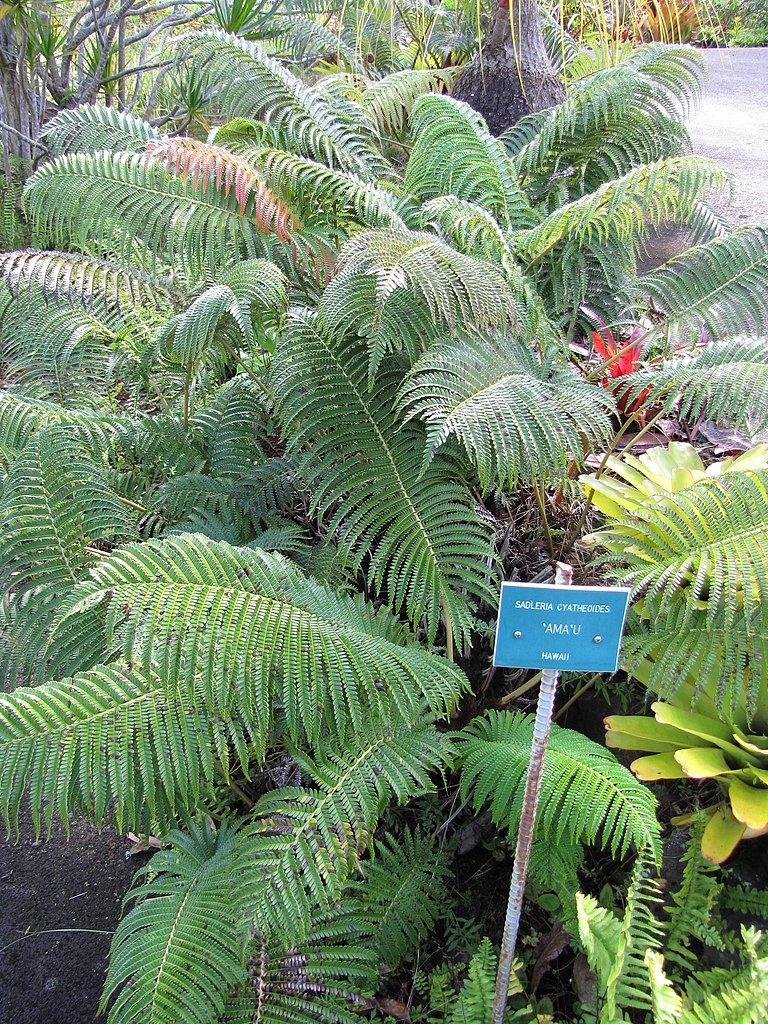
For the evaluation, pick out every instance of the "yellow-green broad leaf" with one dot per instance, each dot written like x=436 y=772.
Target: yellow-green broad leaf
x=641 y=732
x=703 y=762
x=754 y=744
x=710 y=730
x=722 y=834
x=657 y=766
x=749 y=803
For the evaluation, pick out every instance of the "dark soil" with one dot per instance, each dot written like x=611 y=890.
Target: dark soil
x=56 y=977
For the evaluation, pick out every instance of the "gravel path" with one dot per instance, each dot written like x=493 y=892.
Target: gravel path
x=731 y=127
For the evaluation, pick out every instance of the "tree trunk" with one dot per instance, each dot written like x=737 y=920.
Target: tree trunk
x=512 y=76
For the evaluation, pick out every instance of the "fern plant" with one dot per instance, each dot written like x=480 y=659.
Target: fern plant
x=321 y=349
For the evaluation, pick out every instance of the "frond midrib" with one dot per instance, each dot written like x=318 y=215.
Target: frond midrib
x=385 y=447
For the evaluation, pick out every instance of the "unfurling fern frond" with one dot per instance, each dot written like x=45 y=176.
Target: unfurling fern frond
x=266 y=638
x=181 y=949
x=454 y=153
x=249 y=83
x=416 y=534
x=399 y=289
x=405 y=889
x=89 y=128
x=725 y=380
x=109 y=741
x=303 y=844
x=586 y=795
x=514 y=416
x=719 y=286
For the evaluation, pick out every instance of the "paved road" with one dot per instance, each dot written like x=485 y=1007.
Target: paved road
x=731 y=127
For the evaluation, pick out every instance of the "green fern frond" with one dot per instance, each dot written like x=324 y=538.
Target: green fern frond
x=514 y=416
x=719 y=286
x=742 y=998
x=691 y=906
x=653 y=193
x=233 y=428
x=249 y=83
x=475 y=1002
x=21 y=418
x=303 y=844
x=615 y=120
x=617 y=947
x=180 y=950
x=704 y=547
x=320 y=980
x=75 y=277
x=405 y=888
x=55 y=506
x=59 y=353
x=454 y=153
x=680 y=648
x=309 y=185
x=210 y=165
x=109 y=741
x=586 y=795
x=666 y=1004
x=265 y=637
x=89 y=128
x=416 y=533
x=385 y=279
x=390 y=100
x=725 y=380
x=681 y=70
x=113 y=200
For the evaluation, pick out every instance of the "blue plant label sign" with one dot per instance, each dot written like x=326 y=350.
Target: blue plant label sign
x=572 y=629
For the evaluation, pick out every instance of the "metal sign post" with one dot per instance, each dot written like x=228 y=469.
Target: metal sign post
x=578 y=629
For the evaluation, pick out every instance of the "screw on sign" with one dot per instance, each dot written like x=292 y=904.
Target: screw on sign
x=543 y=626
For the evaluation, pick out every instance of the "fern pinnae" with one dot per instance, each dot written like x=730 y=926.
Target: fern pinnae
x=304 y=843
x=725 y=380
x=77 y=277
x=180 y=950
x=494 y=754
x=249 y=83
x=512 y=416
x=383 y=510
x=719 y=285
x=110 y=740
x=89 y=128
x=262 y=636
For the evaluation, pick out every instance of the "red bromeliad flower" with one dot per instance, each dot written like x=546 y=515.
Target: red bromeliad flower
x=623 y=365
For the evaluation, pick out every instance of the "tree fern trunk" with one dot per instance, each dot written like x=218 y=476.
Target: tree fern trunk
x=512 y=76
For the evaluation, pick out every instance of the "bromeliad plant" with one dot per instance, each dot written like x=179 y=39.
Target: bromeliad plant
x=262 y=393
x=694 y=540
